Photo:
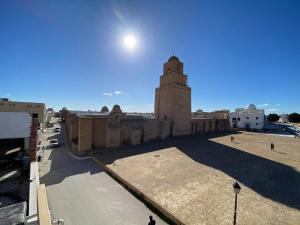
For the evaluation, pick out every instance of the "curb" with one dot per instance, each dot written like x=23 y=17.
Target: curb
x=170 y=218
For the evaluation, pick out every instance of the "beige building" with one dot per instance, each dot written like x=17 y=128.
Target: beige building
x=172 y=117
x=35 y=109
x=218 y=114
x=173 y=97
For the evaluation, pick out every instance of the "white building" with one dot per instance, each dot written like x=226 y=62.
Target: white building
x=248 y=118
x=15 y=125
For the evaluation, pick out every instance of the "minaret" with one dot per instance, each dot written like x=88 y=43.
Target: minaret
x=173 y=97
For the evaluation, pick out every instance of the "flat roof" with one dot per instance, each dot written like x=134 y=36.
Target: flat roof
x=9 y=101
x=105 y=114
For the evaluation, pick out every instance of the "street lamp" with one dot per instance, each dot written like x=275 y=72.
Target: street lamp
x=236 y=188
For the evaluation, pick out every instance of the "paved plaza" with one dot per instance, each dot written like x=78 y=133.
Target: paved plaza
x=191 y=177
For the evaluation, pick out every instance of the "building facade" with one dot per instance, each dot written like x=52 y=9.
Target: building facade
x=38 y=110
x=247 y=118
x=172 y=117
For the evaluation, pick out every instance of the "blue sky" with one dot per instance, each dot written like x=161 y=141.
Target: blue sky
x=70 y=53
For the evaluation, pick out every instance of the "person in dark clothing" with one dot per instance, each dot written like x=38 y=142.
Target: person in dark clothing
x=272 y=146
x=152 y=221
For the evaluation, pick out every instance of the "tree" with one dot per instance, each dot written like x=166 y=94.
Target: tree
x=294 y=118
x=273 y=117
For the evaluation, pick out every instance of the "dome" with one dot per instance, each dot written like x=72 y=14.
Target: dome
x=251 y=106
x=116 y=108
x=173 y=58
x=104 y=109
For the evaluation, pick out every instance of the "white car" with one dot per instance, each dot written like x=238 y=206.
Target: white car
x=54 y=143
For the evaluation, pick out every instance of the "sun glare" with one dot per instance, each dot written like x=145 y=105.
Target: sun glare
x=130 y=42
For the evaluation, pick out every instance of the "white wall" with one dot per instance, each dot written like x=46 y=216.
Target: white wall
x=14 y=125
x=254 y=118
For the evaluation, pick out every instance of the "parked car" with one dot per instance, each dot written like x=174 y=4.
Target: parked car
x=54 y=143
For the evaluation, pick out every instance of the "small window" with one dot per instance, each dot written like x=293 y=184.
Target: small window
x=239 y=119
x=247 y=118
x=234 y=119
x=257 y=118
x=256 y=123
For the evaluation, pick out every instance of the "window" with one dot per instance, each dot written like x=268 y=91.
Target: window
x=256 y=123
x=234 y=119
x=257 y=118
x=239 y=119
x=247 y=118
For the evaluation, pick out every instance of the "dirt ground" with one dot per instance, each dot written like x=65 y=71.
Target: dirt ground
x=191 y=177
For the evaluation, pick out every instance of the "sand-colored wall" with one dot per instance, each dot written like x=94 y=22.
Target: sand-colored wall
x=209 y=125
x=151 y=130
x=99 y=132
x=113 y=138
x=85 y=135
x=29 y=107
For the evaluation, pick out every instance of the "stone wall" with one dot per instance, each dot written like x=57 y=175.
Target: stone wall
x=85 y=134
x=99 y=132
x=201 y=126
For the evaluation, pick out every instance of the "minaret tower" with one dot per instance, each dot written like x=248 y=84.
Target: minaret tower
x=173 y=97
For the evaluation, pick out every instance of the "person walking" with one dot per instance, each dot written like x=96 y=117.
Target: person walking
x=272 y=147
x=152 y=221
x=232 y=139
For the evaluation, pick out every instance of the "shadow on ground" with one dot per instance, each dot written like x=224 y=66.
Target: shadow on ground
x=64 y=165
x=273 y=180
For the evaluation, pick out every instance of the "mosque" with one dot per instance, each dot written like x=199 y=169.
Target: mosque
x=172 y=117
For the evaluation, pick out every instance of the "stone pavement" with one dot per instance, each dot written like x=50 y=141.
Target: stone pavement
x=193 y=180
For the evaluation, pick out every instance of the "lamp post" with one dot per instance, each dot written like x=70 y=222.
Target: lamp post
x=236 y=188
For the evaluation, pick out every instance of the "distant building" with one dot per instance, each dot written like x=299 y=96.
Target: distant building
x=37 y=110
x=283 y=118
x=218 y=114
x=49 y=114
x=247 y=118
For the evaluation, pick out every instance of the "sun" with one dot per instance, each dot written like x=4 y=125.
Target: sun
x=130 y=42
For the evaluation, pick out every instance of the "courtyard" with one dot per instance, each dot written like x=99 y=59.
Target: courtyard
x=191 y=177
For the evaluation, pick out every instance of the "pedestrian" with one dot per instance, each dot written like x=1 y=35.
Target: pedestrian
x=152 y=221
x=232 y=139
x=272 y=146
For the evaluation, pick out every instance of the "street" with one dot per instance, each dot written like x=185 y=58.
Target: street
x=80 y=192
